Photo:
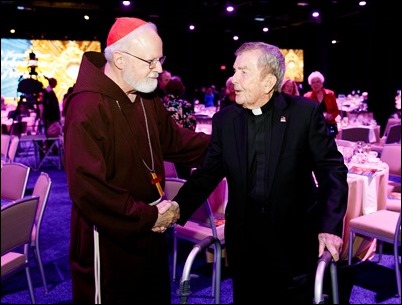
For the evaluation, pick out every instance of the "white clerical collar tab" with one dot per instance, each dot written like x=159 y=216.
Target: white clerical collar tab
x=257 y=111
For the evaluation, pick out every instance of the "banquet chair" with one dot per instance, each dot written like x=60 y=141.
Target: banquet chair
x=391 y=122
x=170 y=169
x=12 y=150
x=383 y=225
x=31 y=123
x=391 y=154
x=204 y=222
x=41 y=189
x=14 y=179
x=356 y=134
x=5 y=143
x=391 y=135
x=17 y=220
x=393 y=202
x=394 y=134
x=340 y=142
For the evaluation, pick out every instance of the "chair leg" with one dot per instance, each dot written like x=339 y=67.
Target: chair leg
x=351 y=237
x=31 y=290
x=174 y=255
x=38 y=258
x=397 y=271
x=380 y=249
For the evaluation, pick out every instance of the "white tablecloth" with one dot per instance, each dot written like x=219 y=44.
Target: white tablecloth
x=367 y=194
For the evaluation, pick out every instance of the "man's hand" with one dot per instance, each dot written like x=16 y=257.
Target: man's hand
x=332 y=243
x=168 y=214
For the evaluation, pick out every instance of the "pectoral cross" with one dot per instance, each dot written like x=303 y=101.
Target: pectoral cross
x=156 y=180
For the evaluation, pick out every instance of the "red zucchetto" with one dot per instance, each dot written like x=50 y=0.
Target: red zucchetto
x=122 y=27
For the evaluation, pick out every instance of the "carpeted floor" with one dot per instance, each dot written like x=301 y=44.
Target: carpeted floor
x=372 y=283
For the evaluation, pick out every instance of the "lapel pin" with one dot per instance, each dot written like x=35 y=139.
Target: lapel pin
x=283 y=119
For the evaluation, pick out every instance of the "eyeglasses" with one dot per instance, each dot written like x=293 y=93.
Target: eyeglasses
x=152 y=63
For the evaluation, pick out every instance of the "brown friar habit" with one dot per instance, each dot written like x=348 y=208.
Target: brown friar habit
x=105 y=137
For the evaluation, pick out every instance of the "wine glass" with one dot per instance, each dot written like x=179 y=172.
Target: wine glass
x=348 y=154
x=366 y=148
x=359 y=147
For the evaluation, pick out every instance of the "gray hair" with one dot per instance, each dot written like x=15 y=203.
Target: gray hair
x=123 y=43
x=315 y=74
x=271 y=60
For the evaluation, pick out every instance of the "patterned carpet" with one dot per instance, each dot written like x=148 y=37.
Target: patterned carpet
x=372 y=283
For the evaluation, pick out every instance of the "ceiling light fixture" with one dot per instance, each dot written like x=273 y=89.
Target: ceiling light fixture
x=229 y=8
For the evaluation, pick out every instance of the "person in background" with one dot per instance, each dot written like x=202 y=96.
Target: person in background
x=278 y=221
x=51 y=109
x=3 y=103
x=230 y=94
x=209 y=97
x=117 y=134
x=182 y=112
x=65 y=96
x=163 y=79
x=289 y=86
x=327 y=100
x=180 y=109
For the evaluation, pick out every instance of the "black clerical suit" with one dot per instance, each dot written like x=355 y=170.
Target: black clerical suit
x=275 y=210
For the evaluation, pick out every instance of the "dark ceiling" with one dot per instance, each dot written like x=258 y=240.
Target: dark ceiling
x=64 y=19
x=198 y=55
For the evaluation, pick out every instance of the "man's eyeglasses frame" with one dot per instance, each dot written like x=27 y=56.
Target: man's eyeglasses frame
x=152 y=63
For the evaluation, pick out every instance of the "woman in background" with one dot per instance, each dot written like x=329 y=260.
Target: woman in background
x=289 y=86
x=181 y=111
x=326 y=98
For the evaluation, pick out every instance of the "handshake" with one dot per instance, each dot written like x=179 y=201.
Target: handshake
x=168 y=214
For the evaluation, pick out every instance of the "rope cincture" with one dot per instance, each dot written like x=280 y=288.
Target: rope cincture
x=97 y=267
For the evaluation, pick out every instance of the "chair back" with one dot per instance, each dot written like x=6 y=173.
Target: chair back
x=5 y=143
x=394 y=134
x=17 y=220
x=207 y=215
x=12 y=150
x=340 y=142
x=31 y=123
x=391 y=122
x=203 y=223
x=14 y=179
x=391 y=154
x=170 y=169
x=41 y=189
x=356 y=134
x=172 y=186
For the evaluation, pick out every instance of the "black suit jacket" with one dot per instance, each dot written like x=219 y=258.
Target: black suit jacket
x=299 y=146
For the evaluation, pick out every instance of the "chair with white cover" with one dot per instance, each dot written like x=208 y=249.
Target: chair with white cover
x=41 y=189
x=205 y=221
x=17 y=220
x=385 y=226
x=14 y=179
